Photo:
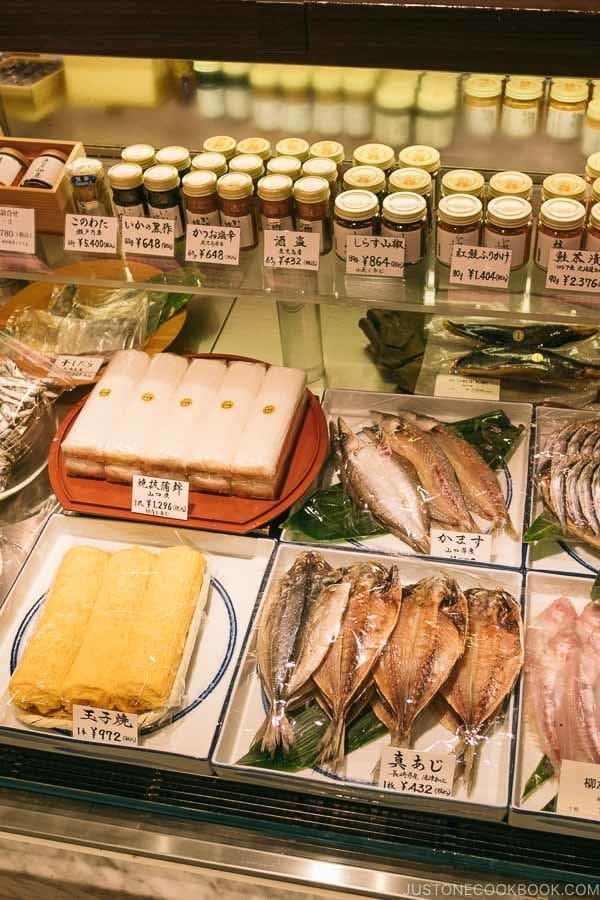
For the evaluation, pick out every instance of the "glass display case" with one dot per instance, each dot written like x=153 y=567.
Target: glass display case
x=299 y=371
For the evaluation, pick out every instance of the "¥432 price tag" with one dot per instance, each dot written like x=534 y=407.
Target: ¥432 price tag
x=574 y=270
x=482 y=266
x=375 y=255
x=163 y=498
x=105 y=726
x=91 y=234
x=148 y=237
x=212 y=244
x=420 y=772
x=81 y=368
x=292 y=249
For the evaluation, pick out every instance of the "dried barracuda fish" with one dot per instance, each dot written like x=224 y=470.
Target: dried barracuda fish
x=540 y=367
x=372 y=613
x=488 y=669
x=426 y=643
x=521 y=336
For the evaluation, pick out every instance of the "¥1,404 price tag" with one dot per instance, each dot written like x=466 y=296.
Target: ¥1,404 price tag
x=91 y=234
x=81 y=368
x=212 y=244
x=579 y=790
x=292 y=250
x=148 y=237
x=466 y=388
x=375 y=255
x=482 y=266
x=464 y=545
x=574 y=270
x=105 y=726
x=17 y=229
x=421 y=772
x=160 y=497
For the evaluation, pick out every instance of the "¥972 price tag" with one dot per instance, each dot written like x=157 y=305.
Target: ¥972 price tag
x=81 y=368
x=218 y=244
x=91 y=234
x=163 y=498
x=424 y=773
x=105 y=726
x=482 y=266
x=17 y=229
x=292 y=250
x=574 y=270
x=375 y=255
x=464 y=545
x=148 y=237
x=579 y=790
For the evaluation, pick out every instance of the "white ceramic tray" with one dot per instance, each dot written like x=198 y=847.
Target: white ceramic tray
x=541 y=589
x=246 y=711
x=354 y=406
x=571 y=557
x=237 y=566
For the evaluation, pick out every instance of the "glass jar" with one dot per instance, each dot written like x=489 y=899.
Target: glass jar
x=436 y=114
x=236 y=206
x=312 y=195
x=127 y=184
x=220 y=143
x=296 y=147
x=178 y=157
x=521 y=106
x=365 y=178
x=564 y=184
x=420 y=156
x=592 y=169
x=561 y=225
x=323 y=168
x=264 y=83
x=210 y=162
x=511 y=184
x=89 y=190
x=254 y=146
x=328 y=150
x=394 y=102
x=406 y=214
x=296 y=107
x=164 y=200
x=592 y=234
x=248 y=164
x=141 y=154
x=415 y=181
x=379 y=156
x=276 y=203
x=285 y=165
x=463 y=181
x=328 y=108
x=595 y=198
x=45 y=170
x=355 y=212
x=358 y=86
x=481 y=104
x=508 y=224
x=459 y=221
x=13 y=166
x=566 y=108
x=199 y=190
x=237 y=93
x=590 y=137
x=210 y=95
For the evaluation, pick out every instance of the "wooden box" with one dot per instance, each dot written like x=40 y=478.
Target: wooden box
x=38 y=93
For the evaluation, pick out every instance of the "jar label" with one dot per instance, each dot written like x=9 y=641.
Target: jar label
x=341 y=236
x=592 y=241
x=547 y=242
x=272 y=224
x=481 y=121
x=515 y=242
x=412 y=242
x=521 y=122
x=169 y=212
x=314 y=226
x=445 y=240
x=564 y=124
x=206 y=218
x=89 y=206
x=246 y=226
x=46 y=169
x=9 y=169
x=136 y=210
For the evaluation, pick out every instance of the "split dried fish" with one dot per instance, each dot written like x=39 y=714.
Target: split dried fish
x=540 y=366
x=521 y=336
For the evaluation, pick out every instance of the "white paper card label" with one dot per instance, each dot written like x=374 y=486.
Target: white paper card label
x=148 y=237
x=81 y=368
x=579 y=790
x=375 y=255
x=574 y=270
x=212 y=244
x=464 y=545
x=423 y=772
x=292 y=250
x=105 y=726
x=161 y=497
x=482 y=266
x=466 y=388
x=17 y=229
x=91 y=234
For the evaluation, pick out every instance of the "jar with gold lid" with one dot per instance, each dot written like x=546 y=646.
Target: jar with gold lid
x=365 y=178
x=88 y=185
x=508 y=225
x=355 y=212
x=285 y=165
x=564 y=184
x=250 y=164
x=421 y=156
x=292 y=146
x=358 y=86
x=141 y=154
x=126 y=181
x=436 y=114
x=394 y=103
x=511 y=184
x=592 y=233
x=236 y=206
x=521 y=106
x=162 y=191
x=379 y=156
x=199 y=188
x=210 y=162
x=323 y=168
x=220 y=143
x=595 y=196
x=463 y=181
x=592 y=168
x=590 y=136
x=481 y=104
x=255 y=146
x=312 y=196
x=13 y=166
x=328 y=150
x=566 y=108
x=415 y=181
x=459 y=221
x=276 y=203
x=561 y=225
x=178 y=157
x=406 y=214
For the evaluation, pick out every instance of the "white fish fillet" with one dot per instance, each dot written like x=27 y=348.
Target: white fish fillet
x=586 y=686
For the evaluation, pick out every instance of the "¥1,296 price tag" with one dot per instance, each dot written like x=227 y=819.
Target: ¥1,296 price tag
x=574 y=270
x=212 y=244
x=464 y=545
x=17 y=229
x=148 y=237
x=81 y=368
x=420 y=772
x=375 y=255
x=292 y=250
x=482 y=266
x=164 y=498
x=105 y=726
x=91 y=234
x=579 y=790
x=466 y=388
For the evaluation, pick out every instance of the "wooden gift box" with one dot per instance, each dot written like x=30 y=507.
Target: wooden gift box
x=32 y=102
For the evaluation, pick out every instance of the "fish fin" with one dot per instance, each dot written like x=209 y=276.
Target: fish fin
x=277 y=730
x=333 y=745
x=505 y=526
x=469 y=763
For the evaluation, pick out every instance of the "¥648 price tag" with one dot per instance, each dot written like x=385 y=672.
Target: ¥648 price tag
x=579 y=790
x=81 y=368
x=483 y=266
x=148 y=237
x=212 y=244
x=574 y=270
x=292 y=250
x=105 y=726
x=17 y=229
x=164 y=498
x=91 y=234
x=464 y=545
x=420 y=772
x=375 y=255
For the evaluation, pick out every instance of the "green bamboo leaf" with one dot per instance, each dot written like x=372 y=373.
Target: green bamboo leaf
x=550 y=805
x=492 y=434
x=545 y=528
x=331 y=515
x=540 y=776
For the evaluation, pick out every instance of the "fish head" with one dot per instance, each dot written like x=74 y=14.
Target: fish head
x=387 y=422
x=347 y=440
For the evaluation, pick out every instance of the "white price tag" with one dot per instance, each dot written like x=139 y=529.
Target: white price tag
x=82 y=368
x=292 y=250
x=91 y=234
x=574 y=270
x=212 y=244
x=483 y=266
x=423 y=772
x=579 y=790
x=464 y=545
x=466 y=388
x=148 y=237
x=105 y=726
x=17 y=229
x=375 y=255
x=162 y=497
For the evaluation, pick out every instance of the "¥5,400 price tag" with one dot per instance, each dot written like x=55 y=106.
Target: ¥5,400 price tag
x=574 y=270
x=148 y=237
x=463 y=545
x=212 y=244
x=421 y=772
x=483 y=266
x=91 y=234
x=292 y=249
x=375 y=255
x=579 y=790
x=17 y=229
x=161 y=497
x=466 y=388
x=82 y=368
x=105 y=726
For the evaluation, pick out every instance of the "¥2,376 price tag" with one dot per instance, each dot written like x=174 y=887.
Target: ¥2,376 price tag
x=81 y=368
x=483 y=266
x=466 y=388
x=579 y=790
x=17 y=229
x=148 y=237
x=91 y=234
x=574 y=270
x=105 y=726
x=212 y=244
x=160 y=497
x=463 y=545
x=375 y=255
x=422 y=772
x=292 y=249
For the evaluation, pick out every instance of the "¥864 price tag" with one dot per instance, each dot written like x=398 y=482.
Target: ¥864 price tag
x=375 y=255
x=164 y=498
x=574 y=270
x=105 y=726
x=91 y=234
x=420 y=772
x=148 y=237
x=212 y=244
x=483 y=266
x=292 y=250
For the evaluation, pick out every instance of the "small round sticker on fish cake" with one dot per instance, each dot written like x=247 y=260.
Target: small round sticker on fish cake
x=227 y=404
x=105 y=392
x=185 y=401
x=148 y=396
x=269 y=409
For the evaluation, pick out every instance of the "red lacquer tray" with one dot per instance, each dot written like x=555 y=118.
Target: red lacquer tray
x=211 y=512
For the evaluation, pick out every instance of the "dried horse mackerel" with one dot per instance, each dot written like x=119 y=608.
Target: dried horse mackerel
x=21 y=400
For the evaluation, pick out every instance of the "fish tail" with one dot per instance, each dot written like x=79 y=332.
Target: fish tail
x=277 y=730
x=505 y=526
x=333 y=745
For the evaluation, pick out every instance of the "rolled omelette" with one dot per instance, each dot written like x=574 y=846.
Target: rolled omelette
x=37 y=683
x=146 y=672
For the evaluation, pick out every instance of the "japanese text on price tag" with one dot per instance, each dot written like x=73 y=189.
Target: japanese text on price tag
x=574 y=270
x=82 y=368
x=212 y=244
x=422 y=772
x=91 y=234
x=461 y=545
x=466 y=388
x=148 y=237
x=17 y=229
x=375 y=255
x=292 y=250
x=105 y=726
x=162 y=497
x=483 y=266
x=579 y=790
